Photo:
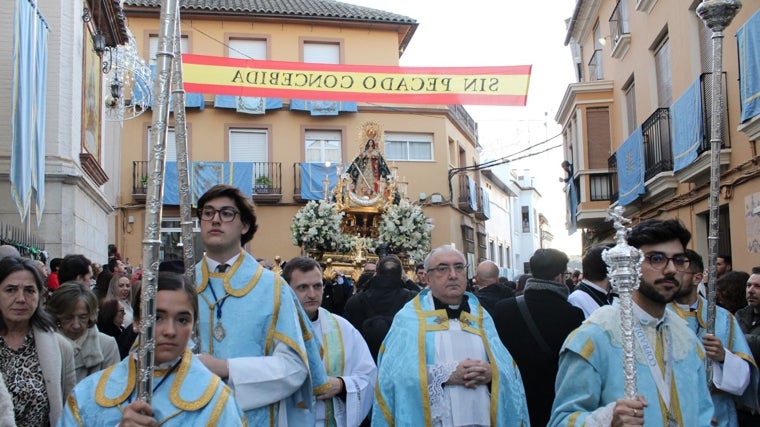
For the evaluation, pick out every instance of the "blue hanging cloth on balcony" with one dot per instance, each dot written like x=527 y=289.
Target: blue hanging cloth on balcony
x=630 y=168
x=485 y=201
x=140 y=90
x=204 y=175
x=473 y=199
x=572 y=208
x=323 y=108
x=312 y=175
x=687 y=127
x=748 y=37
x=242 y=103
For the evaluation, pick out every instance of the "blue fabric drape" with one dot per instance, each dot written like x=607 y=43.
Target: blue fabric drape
x=486 y=201
x=312 y=175
x=473 y=196
x=204 y=175
x=29 y=77
x=748 y=37
x=687 y=127
x=229 y=101
x=630 y=168
x=323 y=108
x=572 y=206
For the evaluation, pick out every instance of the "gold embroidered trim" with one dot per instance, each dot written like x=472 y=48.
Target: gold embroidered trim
x=383 y=406
x=422 y=327
x=268 y=346
x=221 y=401
x=174 y=392
x=71 y=401
x=226 y=276
x=573 y=419
x=100 y=391
x=587 y=350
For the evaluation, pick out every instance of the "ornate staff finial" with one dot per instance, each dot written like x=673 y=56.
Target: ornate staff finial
x=623 y=267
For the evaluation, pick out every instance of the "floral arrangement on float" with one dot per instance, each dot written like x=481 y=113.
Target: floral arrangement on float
x=405 y=229
x=316 y=226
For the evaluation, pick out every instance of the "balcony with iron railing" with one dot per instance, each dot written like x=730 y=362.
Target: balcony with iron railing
x=465 y=121
x=266 y=185
x=483 y=212
x=466 y=200
x=595 y=66
x=619 y=30
x=658 y=156
x=613 y=179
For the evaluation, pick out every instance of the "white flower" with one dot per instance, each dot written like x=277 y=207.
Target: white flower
x=405 y=229
x=317 y=225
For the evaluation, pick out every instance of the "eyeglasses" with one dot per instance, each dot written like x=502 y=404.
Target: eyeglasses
x=225 y=214
x=445 y=268
x=660 y=260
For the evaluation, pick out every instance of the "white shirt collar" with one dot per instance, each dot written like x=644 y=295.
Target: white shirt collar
x=211 y=264
x=595 y=286
x=647 y=319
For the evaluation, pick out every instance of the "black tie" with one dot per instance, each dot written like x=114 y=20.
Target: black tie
x=221 y=268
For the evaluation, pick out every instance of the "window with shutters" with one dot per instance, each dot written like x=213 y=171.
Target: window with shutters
x=171 y=145
x=248 y=145
x=323 y=146
x=247 y=48
x=321 y=52
x=525 y=219
x=662 y=71
x=598 y=124
x=408 y=146
x=153 y=47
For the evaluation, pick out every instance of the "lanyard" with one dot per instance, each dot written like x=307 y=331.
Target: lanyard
x=662 y=383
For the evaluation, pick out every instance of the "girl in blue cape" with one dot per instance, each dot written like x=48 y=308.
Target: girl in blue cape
x=184 y=391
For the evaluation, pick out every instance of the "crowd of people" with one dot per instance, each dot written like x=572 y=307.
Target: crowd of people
x=244 y=345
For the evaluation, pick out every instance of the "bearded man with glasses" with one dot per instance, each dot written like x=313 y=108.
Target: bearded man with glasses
x=670 y=360
x=442 y=363
x=254 y=333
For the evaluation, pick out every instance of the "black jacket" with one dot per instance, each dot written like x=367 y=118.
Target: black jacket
x=385 y=294
x=555 y=318
x=491 y=294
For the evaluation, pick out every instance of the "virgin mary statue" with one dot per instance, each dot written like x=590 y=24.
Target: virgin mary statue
x=368 y=171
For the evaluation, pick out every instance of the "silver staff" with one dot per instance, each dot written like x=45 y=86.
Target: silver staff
x=183 y=170
x=716 y=14
x=623 y=267
x=154 y=199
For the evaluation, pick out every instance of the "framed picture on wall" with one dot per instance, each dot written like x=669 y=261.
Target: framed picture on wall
x=92 y=104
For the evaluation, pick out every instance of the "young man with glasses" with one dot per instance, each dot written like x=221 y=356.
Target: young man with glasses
x=670 y=361
x=734 y=371
x=445 y=339
x=253 y=332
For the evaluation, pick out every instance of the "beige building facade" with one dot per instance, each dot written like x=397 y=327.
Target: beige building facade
x=643 y=66
x=423 y=142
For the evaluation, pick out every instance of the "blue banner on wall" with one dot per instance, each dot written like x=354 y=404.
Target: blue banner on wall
x=312 y=175
x=630 y=168
x=204 y=175
x=748 y=37
x=686 y=126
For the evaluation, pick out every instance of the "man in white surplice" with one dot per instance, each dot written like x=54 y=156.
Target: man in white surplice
x=345 y=354
x=468 y=377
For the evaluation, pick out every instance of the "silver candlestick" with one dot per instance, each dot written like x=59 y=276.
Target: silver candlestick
x=716 y=14
x=623 y=267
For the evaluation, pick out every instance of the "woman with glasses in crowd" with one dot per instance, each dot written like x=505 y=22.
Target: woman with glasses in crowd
x=75 y=309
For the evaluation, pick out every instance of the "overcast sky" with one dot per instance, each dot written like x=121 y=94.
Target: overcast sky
x=493 y=32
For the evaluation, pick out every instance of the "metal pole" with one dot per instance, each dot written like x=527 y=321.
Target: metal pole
x=183 y=169
x=623 y=266
x=716 y=14
x=153 y=200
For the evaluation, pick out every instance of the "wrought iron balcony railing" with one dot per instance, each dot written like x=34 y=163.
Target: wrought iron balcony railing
x=658 y=154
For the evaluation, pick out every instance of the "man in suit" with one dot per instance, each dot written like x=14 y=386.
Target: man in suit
x=534 y=341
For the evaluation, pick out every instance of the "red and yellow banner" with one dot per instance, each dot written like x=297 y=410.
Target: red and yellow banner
x=506 y=85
